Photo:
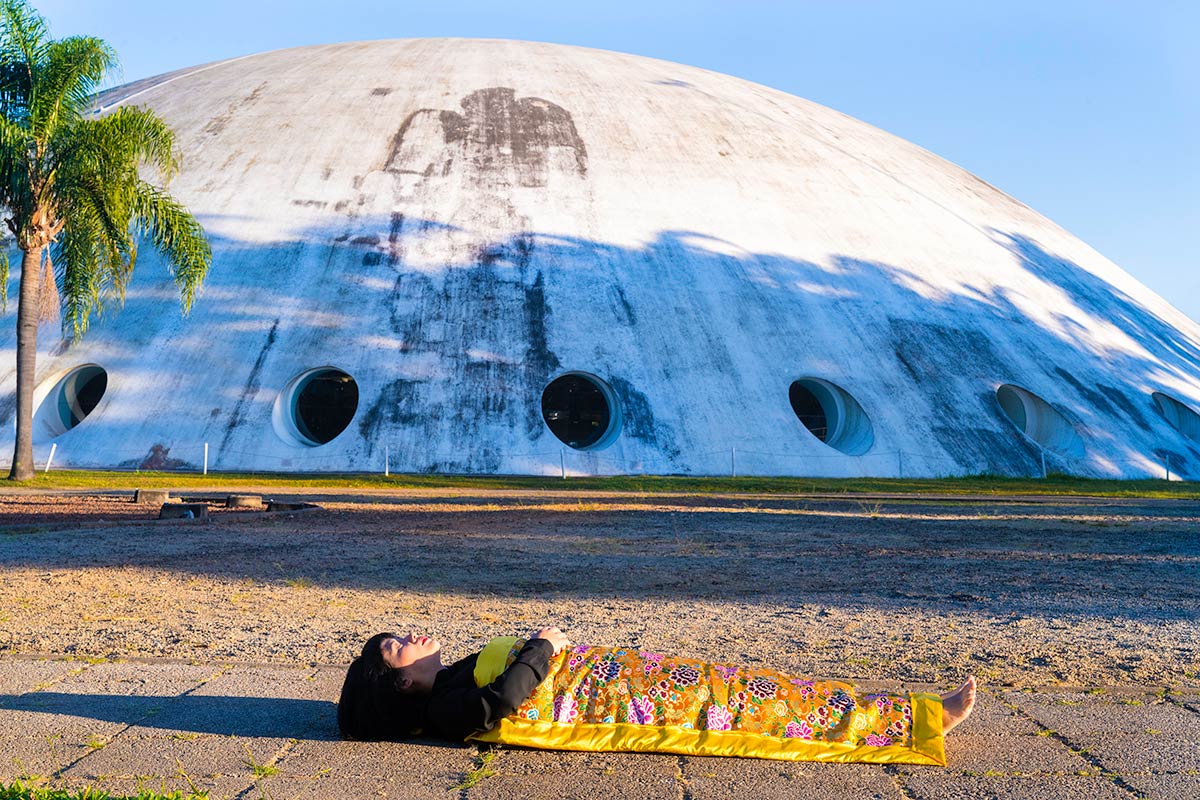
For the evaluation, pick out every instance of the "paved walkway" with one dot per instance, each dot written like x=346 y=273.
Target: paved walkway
x=269 y=731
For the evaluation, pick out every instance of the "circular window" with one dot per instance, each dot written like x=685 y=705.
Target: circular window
x=832 y=415
x=1181 y=417
x=582 y=411
x=1039 y=420
x=68 y=401
x=316 y=406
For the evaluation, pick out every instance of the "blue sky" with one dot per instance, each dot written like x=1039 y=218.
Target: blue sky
x=1086 y=111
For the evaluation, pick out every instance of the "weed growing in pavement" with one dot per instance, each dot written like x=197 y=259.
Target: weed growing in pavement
x=482 y=769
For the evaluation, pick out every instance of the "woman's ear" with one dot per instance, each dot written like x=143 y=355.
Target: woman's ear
x=405 y=683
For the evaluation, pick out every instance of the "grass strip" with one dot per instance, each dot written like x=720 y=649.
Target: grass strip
x=1054 y=485
x=19 y=791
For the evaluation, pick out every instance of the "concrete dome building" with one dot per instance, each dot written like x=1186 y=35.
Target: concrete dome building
x=507 y=257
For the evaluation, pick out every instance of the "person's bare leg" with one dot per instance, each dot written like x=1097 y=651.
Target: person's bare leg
x=957 y=705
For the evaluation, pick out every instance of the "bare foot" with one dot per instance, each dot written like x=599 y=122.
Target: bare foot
x=957 y=705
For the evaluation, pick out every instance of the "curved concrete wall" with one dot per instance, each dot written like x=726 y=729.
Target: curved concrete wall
x=454 y=223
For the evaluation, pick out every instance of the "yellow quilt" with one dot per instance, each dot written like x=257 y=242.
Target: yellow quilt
x=601 y=698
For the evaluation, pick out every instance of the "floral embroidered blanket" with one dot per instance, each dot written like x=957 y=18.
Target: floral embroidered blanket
x=601 y=698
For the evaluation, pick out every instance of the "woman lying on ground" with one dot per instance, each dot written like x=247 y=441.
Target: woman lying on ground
x=545 y=693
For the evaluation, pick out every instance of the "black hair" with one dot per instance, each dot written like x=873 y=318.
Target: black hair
x=373 y=706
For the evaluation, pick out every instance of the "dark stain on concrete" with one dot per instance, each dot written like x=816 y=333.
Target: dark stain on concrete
x=469 y=319
x=638 y=418
x=310 y=203
x=508 y=139
x=251 y=387
x=622 y=306
x=217 y=124
x=380 y=91
x=949 y=364
x=540 y=362
x=159 y=458
x=396 y=405
x=1122 y=401
x=1098 y=401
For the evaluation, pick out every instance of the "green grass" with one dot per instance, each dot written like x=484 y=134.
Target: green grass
x=19 y=791
x=256 y=769
x=482 y=769
x=980 y=484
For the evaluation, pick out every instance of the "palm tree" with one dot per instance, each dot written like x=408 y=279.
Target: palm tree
x=75 y=202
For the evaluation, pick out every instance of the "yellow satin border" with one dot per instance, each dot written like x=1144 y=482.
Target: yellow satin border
x=493 y=659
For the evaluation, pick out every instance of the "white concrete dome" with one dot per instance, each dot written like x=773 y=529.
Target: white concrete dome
x=508 y=257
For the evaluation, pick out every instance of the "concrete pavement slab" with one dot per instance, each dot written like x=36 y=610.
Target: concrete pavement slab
x=1140 y=754
x=1076 y=714
x=945 y=785
x=20 y=676
x=1008 y=754
x=993 y=716
x=548 y=775
x=309 y=758
x=720 y=778
x=100 y=699
x=27 y=756
x=331 y=787
x=219 y=788
x=1169 y=786
x=206 y=756
x=314 y=770
x=255 y=701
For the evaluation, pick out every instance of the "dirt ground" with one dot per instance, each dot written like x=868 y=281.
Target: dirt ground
x=1024 y=593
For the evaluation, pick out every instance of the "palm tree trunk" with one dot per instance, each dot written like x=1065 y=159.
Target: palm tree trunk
x=27 y=330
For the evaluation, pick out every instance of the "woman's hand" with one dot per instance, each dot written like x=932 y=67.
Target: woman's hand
x=557 y=639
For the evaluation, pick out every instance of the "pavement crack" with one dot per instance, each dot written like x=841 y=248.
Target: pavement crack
x=1080 y=752
x=898 y=780
x=1175 y=701
x=685 y=788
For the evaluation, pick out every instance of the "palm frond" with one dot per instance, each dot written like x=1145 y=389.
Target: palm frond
x=23 y=40
x=72 y=70
x=176 y=234
x=125 y=138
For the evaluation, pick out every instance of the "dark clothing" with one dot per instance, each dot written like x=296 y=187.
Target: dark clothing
x=457 y=707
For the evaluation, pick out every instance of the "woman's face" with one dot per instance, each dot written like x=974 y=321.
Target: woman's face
x=405 y=651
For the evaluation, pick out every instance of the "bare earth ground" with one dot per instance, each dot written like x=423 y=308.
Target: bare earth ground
x=1023 y=593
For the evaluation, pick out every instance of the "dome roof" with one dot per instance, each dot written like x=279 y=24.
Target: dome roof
x=498 y=256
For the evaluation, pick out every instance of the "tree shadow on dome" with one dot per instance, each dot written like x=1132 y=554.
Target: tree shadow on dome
x=699 y=337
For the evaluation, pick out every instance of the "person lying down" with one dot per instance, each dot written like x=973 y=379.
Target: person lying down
x=546 y=693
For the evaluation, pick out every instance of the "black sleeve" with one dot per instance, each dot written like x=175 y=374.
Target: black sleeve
x=458 y=712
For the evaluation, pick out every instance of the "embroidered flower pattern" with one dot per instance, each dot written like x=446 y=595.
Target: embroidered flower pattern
x=641 y=711
x=720 y=718
x=607 y=671
x=627 y=687
x=566 y=709
x=685 y=676
x=798 y=730
x=763 y=688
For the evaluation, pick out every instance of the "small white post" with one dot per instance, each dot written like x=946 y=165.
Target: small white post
x=206 y=458
x=1042 y=453
x=733 y=462
x=387 y=461
x=49 y=458
x=562 y=462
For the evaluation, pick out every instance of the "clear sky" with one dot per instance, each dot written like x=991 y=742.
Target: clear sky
x=1086 y=111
